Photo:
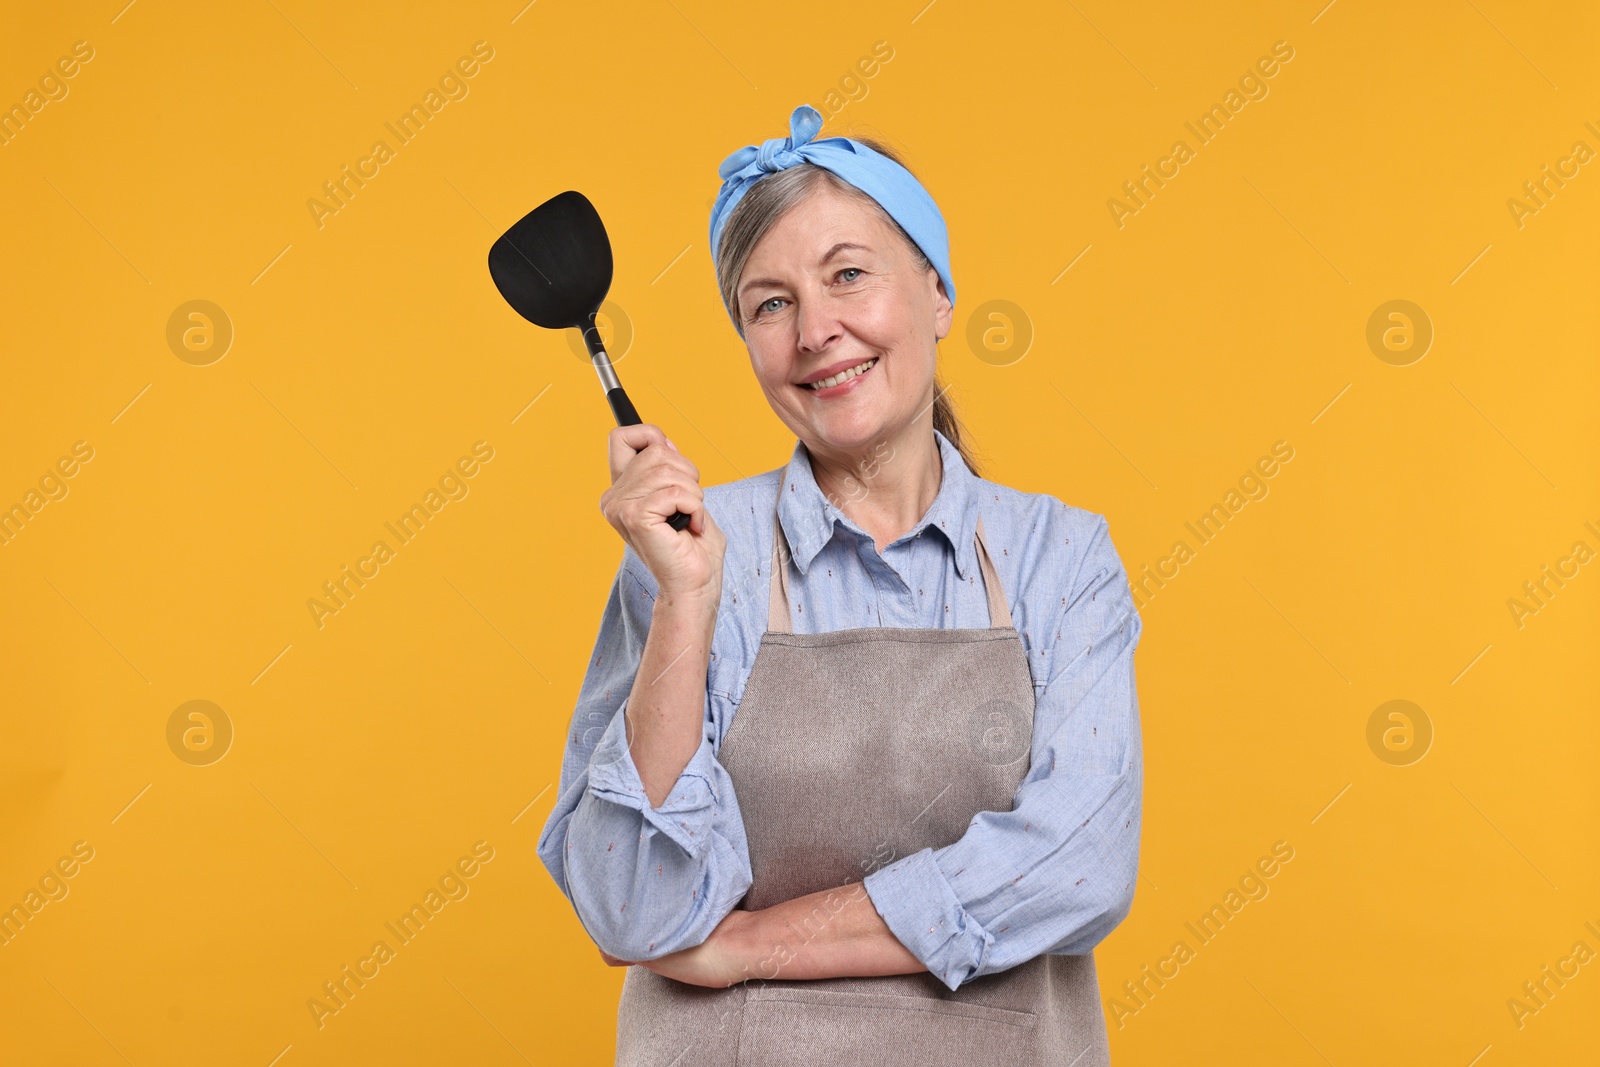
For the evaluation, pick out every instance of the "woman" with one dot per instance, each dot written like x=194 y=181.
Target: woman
x=876 y=795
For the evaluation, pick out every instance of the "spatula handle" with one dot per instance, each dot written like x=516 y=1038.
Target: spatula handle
x=626 y=415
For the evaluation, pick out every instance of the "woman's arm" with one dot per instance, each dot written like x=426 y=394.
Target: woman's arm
x=646 y=838
x=666 y=705
x=1055 y=873
x=665 y=711
x=647 y=875
x=834 y=933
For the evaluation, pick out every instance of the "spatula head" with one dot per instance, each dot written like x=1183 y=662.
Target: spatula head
x=554 y=266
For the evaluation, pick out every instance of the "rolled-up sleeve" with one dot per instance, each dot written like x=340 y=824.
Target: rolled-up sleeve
x=644 y=881
x=1056 y=873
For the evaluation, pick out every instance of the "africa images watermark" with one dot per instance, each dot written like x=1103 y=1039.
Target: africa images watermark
x=1252 y=486
x=1252 y=886
x=452 y=886
x=1538 y=592
x=52 y=887
x=452 y=486
x=1539 y=991
x=339 y=191
x=852 y=86
x=53 y=87
x=1252 y=86
x=1538 y=192
x=52 y=487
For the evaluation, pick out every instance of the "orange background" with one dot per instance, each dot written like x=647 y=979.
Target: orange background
x=371 y=352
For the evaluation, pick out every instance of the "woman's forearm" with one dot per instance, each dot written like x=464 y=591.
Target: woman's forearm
x=666 y=708
x=835 y=933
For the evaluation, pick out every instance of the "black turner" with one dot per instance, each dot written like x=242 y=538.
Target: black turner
x=554 y=268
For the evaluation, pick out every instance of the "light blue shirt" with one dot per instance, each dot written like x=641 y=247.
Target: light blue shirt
x=1055 y=874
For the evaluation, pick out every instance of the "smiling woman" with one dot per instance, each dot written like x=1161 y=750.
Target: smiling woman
x=888 y=812
x=806 y=197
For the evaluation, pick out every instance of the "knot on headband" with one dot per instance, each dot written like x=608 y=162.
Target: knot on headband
x=778 y=153
x=895 y=189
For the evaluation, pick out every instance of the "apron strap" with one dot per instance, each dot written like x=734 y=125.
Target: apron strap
x=998 y=608
x=779 y=619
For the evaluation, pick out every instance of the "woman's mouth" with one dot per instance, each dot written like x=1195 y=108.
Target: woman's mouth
x=835 y=385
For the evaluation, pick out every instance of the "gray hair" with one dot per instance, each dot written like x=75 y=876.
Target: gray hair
x=770 y=199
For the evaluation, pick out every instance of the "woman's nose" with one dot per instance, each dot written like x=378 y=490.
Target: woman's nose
x=817 y=322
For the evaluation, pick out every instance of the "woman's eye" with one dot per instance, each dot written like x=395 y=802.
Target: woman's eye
x=775 y=303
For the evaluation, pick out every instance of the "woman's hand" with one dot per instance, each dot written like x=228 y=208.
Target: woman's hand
x=720 y=961
x=651 y=479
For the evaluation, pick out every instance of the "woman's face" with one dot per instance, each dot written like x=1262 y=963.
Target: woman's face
x=829 y=287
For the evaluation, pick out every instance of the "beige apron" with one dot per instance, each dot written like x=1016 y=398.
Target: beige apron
x=850 y=750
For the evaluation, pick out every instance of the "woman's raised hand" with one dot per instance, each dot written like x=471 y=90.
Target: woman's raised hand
x=651 y=479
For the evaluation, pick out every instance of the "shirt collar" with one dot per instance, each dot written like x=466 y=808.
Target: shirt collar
x=809 y=519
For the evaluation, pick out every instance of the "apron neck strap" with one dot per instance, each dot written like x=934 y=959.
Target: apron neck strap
x=779 y=619
x=999 y=610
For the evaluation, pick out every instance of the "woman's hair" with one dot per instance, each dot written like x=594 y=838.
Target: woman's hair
x=770 y=199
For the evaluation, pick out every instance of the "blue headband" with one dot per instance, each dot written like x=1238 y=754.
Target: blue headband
x=887 y=182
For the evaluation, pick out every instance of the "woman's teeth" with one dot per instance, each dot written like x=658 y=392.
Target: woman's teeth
x=844 y=375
